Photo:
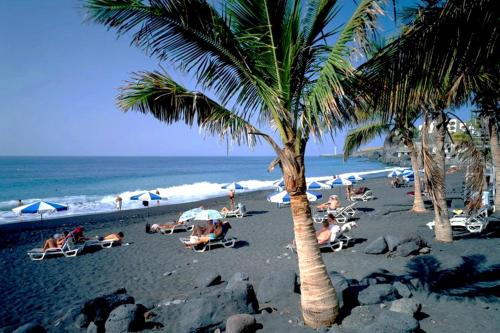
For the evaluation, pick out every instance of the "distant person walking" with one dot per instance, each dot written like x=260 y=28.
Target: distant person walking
x=118 y=202
x=231 y=198
x=158 y=201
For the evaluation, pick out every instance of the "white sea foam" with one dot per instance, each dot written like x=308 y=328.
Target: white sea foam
x=91 y=204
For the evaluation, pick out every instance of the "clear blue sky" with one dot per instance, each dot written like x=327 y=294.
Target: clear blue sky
x=58 y=87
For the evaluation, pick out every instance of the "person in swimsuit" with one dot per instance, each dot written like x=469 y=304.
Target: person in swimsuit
x=231 y=198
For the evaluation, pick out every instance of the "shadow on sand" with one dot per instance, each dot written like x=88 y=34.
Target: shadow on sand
x=470 y=279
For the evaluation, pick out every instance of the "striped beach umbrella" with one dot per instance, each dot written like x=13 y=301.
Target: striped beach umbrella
x=317 y=186
x=40 y=207
x=394 y=173
x=146 y=196
x=339 y=182
x=279 y=183
x=284 y=197
x=354 y=178
x=233 y=186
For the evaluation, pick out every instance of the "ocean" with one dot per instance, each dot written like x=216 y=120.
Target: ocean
x=90 y=184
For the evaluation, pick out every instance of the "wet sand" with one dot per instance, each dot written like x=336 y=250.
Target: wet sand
x=155 y=267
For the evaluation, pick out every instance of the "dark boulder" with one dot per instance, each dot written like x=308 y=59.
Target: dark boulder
x=126 y=318
x=392 y=242
x=393 y=322
x=209 y=311
x=241 y=323
x=361 y=316
x=208 y=279
x=99 y=308
x=378 y=246
x=402 y=289
x=237 y=277
x=405 y=249
x=377 y=293
x=406 y=305
x=277 y=285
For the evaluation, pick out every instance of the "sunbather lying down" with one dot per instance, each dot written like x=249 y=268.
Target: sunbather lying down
x=56 y=241
x=116 y=237
x=152 y=228
x=202 y=235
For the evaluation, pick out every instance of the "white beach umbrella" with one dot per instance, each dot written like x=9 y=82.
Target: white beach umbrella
x=189 y=214
x=208 y=214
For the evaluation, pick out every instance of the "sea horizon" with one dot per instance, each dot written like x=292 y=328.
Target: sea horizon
x=90 y=185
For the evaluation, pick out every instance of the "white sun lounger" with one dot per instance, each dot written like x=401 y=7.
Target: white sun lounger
x=239 y=212
x=341 y=215
x=105 y=244
x=475 y=223
x=368 y=195
x=225 y=242
x=69 y=249
x=181 y=227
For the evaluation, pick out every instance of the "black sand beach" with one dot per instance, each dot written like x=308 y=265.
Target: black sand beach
x=155 y=267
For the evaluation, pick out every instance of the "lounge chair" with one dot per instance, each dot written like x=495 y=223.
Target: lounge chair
x=368 y=195
x=68 y=249
x=219 y=241
x=342 y=214
x=239 y=212
x=184 y=226
x=334 y=244
x=474 y=223
x=105 y=244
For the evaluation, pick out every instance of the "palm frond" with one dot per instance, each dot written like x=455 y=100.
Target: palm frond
x=190 y=34
x=364 y=134
x=331 y=91
x=157 y=94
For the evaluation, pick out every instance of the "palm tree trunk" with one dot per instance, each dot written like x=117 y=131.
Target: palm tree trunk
x=495 y=156
x=318 y=298
x=418 y=202
x=434 y=165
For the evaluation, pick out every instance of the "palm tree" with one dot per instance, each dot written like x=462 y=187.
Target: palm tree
x=444 y=53
x=488 y=99
x=402 y=126
x=270 y=67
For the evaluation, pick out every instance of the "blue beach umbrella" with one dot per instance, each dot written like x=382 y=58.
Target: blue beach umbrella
x=284 y=197
x=407 y=172
x=40 y=207
x=354 y=178
x=146 y=196
x=189 y=214
x=394 y=173
x=233 y=186
x=279 y=183
x=208 y=214
x=317 y=186
x=339 y=182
